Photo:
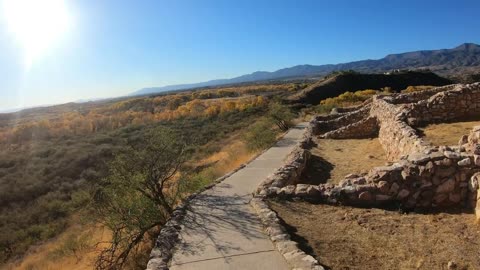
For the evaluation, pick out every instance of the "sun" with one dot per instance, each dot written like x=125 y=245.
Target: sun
x=36 y=24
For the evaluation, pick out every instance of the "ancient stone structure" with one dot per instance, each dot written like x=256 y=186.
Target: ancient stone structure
x=420 y=175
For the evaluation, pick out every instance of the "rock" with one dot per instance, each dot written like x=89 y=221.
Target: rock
x=288 y=190
x=286 y=246
x=445 y=172
x=359 y=181
x=473 y=183
x=476 y=149
x=451 y=265
x=272 y=191
x=350 y=176
x=382 y=198
x=383 y=186
x=345 y=182
x=451 y=154
x=313 y=191
x=292 y=255
x=394 y=189
x=365 y=196
x=455 y=197
x=476 y=160
x=464 y=162
x=349 y=189
x=439 y=198
x=418 y=158
x=446 y=187
x=463 y=140
x=403 y=194
x=301 y=190
x=280 y=237
x=444 y=162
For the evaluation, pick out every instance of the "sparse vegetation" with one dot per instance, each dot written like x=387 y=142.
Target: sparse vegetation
x=52 y=156
x=280 y=115
x=138 y=195
x=260 y=135
x=417 y=88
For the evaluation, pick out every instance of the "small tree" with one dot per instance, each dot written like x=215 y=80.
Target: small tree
x=139 y=194
x=281 y=116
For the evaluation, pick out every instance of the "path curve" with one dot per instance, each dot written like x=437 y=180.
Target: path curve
x=221 y=230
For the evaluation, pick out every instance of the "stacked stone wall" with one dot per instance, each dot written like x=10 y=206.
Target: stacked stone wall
x=364 y=128
x=440 y=179
x=423 y=176
x=397 y=138
x=343 y=120
x=461 y=102
x=419 y=95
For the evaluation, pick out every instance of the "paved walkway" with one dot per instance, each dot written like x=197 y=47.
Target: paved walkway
x=222 y=231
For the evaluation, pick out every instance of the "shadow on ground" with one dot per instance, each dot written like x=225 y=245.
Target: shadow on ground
x=317 y=171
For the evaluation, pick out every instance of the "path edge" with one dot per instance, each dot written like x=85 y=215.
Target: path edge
x=162 y=252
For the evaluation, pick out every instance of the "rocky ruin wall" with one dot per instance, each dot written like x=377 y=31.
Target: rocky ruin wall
x=461 y=102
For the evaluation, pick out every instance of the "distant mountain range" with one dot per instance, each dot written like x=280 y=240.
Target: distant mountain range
x=464 y=59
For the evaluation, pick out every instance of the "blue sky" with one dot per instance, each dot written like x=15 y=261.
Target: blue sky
x=114 y=47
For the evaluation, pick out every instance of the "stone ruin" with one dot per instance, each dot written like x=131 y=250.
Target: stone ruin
x=419 y=175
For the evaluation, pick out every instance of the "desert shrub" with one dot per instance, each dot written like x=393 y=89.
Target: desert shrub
x=260 y=135
x=280 y=115
x=325 y=108
x=139 y=194
x=417 y=88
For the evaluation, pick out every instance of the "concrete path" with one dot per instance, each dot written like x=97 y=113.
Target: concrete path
x=222 y=231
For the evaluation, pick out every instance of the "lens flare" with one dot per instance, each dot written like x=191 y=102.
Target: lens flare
x=36 y=24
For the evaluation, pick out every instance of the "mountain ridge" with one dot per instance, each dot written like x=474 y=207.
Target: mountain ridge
x=462 y=59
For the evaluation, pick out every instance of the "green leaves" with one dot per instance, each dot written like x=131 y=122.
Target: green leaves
x=139 y=194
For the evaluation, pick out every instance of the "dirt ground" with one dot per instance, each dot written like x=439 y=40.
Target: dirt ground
x=447 y=133
x=356 y=238
x=333 y=159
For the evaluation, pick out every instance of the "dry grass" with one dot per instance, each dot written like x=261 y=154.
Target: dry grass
x=230 y=156
x=447 y=133
x=48 y=256
x=333 y=159
x=356 y=238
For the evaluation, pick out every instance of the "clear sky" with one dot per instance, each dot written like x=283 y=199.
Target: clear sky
x=114 y=47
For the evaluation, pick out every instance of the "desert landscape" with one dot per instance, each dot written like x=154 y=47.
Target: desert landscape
x=259 y=135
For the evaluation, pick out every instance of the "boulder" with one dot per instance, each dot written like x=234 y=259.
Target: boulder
x=446 y=187
x=403 y=194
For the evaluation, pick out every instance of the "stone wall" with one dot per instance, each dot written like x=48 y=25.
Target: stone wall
x=440 y=179
x=423 y=176
x=397 y=138
x=394 y=119
x=343 y=120
x=364 y=128
x=295 y=163
x=463 y=101
x=420 y=95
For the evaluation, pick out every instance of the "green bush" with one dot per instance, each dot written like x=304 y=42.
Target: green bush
x=260 y=135
x=280 y=115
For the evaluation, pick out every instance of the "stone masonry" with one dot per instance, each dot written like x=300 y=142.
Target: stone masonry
x=419 y=176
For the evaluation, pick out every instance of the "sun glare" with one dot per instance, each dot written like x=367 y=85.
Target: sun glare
x=36 y=24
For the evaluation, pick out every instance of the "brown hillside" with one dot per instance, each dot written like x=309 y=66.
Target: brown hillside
x=336 y=85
